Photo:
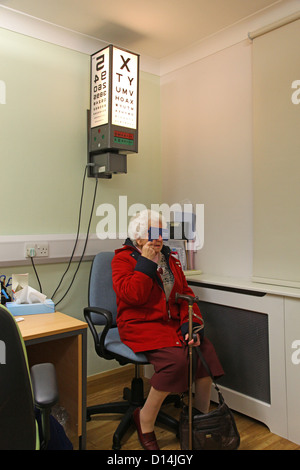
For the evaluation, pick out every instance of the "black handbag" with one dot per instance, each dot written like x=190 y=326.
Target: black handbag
x=215 y=430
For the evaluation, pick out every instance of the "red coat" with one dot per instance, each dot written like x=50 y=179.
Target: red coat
x=145 y=320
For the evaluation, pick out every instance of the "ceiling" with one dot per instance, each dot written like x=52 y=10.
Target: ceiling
x=155 y=28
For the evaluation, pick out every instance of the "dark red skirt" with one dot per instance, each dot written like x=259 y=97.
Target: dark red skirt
x=171 y=366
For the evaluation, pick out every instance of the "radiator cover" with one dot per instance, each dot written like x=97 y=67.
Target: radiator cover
x=240 y=338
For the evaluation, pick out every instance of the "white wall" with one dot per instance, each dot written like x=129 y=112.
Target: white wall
x=207 y=153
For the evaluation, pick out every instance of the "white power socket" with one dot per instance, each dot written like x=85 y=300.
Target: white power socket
x=37 y=250
x=42 y=249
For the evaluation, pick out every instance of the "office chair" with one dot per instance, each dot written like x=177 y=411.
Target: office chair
x=20 y=393
x=102 y=311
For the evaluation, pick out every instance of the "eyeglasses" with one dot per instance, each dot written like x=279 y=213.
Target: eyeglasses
x=155 y=232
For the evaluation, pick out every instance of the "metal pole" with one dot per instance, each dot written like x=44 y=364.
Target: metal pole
x=190 y=378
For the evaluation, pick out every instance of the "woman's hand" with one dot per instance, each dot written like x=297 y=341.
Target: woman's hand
x=148 y=251
x=192 y=342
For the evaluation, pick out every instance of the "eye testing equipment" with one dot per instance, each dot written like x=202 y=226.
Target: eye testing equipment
x=113 y=115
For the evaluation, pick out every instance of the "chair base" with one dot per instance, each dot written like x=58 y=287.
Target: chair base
x=133 y=398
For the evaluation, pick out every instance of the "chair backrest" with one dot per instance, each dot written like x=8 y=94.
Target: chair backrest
x=101 y=292
x=17 y=417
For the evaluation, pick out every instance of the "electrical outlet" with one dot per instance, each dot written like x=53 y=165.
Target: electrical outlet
x=42 y=249
x=37 y=250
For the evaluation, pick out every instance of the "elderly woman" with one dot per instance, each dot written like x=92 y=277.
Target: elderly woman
x=146 y=277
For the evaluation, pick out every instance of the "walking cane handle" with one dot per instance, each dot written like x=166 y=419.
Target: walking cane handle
x=189 y=298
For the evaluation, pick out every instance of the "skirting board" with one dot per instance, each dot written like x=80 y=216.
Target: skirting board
x=107 y=379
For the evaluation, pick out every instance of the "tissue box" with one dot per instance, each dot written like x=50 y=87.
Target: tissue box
x=31 y=309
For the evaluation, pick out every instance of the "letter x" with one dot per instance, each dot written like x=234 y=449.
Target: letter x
x=125 y=62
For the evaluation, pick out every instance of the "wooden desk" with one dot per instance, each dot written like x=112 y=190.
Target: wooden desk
x=62 y=340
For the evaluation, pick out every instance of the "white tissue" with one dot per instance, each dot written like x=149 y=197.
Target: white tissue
x=28 y=295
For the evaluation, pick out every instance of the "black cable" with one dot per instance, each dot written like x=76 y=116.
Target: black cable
x=77 y=235
x=33 y=265
x=86 y=240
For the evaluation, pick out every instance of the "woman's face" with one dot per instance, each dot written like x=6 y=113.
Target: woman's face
x=156 y=244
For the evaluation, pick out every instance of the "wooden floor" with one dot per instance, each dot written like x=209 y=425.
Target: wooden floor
x=254 y=435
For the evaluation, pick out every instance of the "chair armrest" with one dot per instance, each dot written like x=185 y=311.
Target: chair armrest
x=45 y=391
x=107 y=323
x=44 y=385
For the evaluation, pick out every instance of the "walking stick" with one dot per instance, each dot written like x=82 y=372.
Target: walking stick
x=191 y=300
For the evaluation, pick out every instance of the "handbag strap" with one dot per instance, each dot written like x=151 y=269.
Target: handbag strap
x=206 y=367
